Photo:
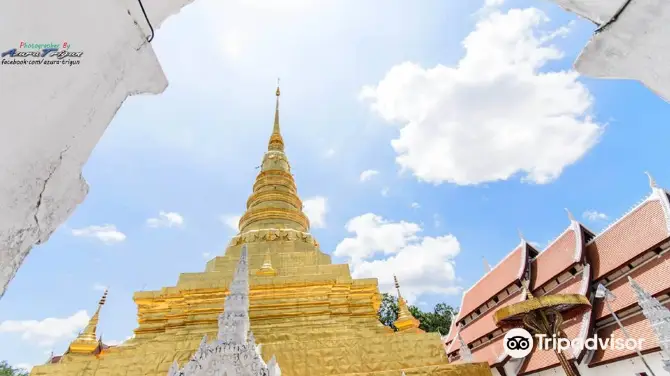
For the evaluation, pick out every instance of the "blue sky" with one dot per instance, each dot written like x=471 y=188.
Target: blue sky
x=493 y=140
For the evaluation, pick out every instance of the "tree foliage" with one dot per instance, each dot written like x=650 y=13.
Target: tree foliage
x=439 y=320
x=7 y=370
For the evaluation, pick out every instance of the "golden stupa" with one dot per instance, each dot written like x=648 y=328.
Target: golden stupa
x=311 y=314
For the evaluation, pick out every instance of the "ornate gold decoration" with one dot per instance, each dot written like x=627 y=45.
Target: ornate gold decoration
x=312 y=314
x=87 y=341
x=544 y=315
x=267 y=269
x=513 y=314
x=405 y=322
x=259 y=214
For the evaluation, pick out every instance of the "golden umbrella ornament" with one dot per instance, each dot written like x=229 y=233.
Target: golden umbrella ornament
x=544 y=316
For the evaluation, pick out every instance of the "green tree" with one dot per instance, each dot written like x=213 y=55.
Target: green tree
x=439 y=320
x=7 y=370
x=388 y=311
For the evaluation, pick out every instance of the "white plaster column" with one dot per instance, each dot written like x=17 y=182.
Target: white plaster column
x=53 y=116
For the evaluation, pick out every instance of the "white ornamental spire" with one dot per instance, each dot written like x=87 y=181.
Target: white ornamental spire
x=234 y=352
x=234 y=321
x=658 y=316
x=464 y=351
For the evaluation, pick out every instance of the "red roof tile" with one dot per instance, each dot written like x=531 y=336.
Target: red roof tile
x=491 y=353
x=637 y=327
x=504 y=274
x=558 y=257
x=654 y=277
x=484 y=324
x=635 y=233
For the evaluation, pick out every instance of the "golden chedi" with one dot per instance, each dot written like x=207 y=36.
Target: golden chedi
x=311 y=314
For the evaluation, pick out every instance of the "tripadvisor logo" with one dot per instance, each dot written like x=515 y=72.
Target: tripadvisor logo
x=518 y=343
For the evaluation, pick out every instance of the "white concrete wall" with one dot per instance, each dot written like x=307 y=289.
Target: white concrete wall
x=636 y=46
x=53 y=116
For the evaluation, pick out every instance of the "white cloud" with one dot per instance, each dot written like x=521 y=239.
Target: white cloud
x=107 y=234
x=48 y=331
x=368 y=174
x=329 y=153
x=166 y=219
x=436 y=220
x=494 y=114
x=385 y=191
x=315 y=209
x=594 y=216
x=232 y=221
x=415 y=205
x=99 y=287
x=380 y=249
x=206 y=255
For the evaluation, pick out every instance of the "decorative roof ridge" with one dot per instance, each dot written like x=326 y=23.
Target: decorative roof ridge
x=586 y=318
x=510 y=297
x=579 y=241
x=495 y=267
x=524 y=268
x=569 y=228
x=458 y=331
x=650 y=197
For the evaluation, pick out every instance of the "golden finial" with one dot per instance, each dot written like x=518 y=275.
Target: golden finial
x=652 y=182
x=87 y=341
x=570 y=216
x=405 y=321
x=397 y=285
x=276 y=140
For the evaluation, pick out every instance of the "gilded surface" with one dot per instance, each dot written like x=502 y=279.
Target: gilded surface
x=310 y=313
x=559 y=302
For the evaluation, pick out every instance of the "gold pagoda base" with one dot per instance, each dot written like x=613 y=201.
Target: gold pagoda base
x=313 y=317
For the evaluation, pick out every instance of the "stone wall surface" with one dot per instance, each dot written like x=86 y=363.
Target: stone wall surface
x=632 y=42
x=53 y=116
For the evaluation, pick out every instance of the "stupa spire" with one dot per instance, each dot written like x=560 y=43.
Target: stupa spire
x=87 y=341
x=276 y=141
x=405 y=321
x=274 y=203
x=267 y=269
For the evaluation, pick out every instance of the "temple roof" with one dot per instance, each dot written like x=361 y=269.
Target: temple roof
x=559 y=256
x=653 y=275
x=510 y=270
x=645 y=226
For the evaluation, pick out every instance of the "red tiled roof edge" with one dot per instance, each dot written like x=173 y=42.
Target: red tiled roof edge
x=503 y=358
x=522 y=268
x=587 y=323
x=453 y=340
x=657 y=194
